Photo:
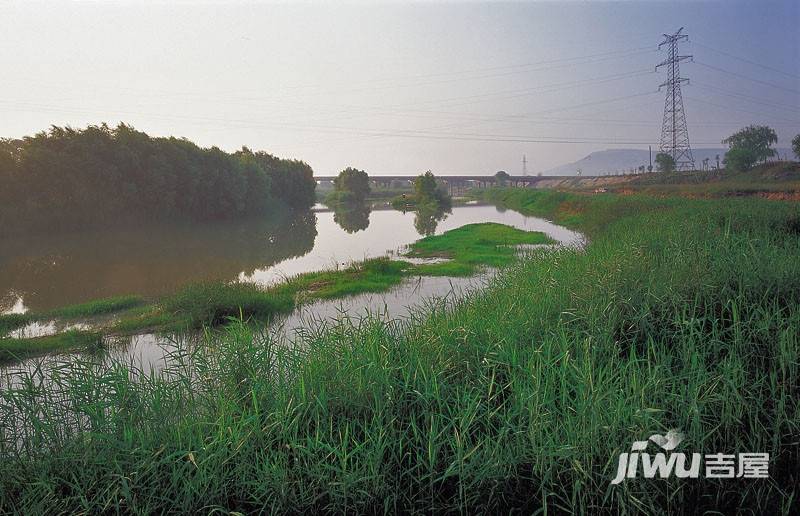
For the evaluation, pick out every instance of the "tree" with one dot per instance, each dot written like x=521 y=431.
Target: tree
x=353 y=183
x=501 y=177
x=740 y=159
x=425 y=187
x=749 y=146
x=796 y=146
x=665 y=162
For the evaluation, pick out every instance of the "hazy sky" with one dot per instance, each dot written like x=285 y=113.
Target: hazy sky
x=399 y=87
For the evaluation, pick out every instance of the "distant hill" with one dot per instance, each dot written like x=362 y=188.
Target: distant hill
x=619 y=160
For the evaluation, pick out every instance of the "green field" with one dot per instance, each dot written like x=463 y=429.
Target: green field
x=679 y=313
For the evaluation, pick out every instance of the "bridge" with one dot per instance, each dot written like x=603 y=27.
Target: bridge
x=460 y=182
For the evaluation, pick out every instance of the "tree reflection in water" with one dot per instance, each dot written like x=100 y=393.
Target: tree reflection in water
x=428 y=216
x=56 y=270
x=352 y=216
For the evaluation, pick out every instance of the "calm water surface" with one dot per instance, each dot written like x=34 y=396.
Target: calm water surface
x=267 y=254
x=44 y=273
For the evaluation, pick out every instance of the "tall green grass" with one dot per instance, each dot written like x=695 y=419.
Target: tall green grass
x=678 y=314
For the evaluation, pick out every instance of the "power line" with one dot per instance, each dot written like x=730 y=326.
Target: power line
x=490 y=118
x=401 y=133
x=759 y=81
x=754 y=63
x=746 y=98
x=729 y=108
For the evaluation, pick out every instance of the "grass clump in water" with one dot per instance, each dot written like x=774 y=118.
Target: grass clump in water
x=372 y=275
x=214 y=303
x=93 y=308
x=12 y=349
x=472 y=245
x=9 y=322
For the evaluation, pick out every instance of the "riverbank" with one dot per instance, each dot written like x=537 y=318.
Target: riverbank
x=458 y=252
x=776 y=181
x=679 y=314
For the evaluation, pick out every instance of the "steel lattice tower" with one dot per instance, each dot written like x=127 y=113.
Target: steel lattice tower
x=674 y=133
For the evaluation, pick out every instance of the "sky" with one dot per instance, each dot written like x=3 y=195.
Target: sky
x=400 y=87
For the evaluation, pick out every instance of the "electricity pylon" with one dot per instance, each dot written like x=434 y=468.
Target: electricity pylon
x=674 y=133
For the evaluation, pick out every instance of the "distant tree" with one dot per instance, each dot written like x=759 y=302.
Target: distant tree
x=665 y=162
x=796 y=146
x=425 y=187
x=641 y=169
x=354 y=183
x=740 y=159
x=749 y=146
x=502 y=177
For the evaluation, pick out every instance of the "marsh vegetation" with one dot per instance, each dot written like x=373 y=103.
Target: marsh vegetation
x=679 y=313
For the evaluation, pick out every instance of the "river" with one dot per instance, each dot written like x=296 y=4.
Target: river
x=43 y=273
x=317 y=241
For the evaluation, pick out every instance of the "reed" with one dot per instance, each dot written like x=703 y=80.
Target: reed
x=678 y=314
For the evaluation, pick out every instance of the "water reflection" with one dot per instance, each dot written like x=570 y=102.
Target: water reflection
x=149 y=353
x=427 y=218
x=352 y=216
x=399 y=304
x=74 y=268
x=154 y=352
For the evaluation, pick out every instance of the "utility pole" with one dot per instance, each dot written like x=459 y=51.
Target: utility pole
x=524 y=165
x=674 y=133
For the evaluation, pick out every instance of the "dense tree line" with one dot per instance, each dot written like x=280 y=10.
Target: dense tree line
x=100 y=176
x=292 y=181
